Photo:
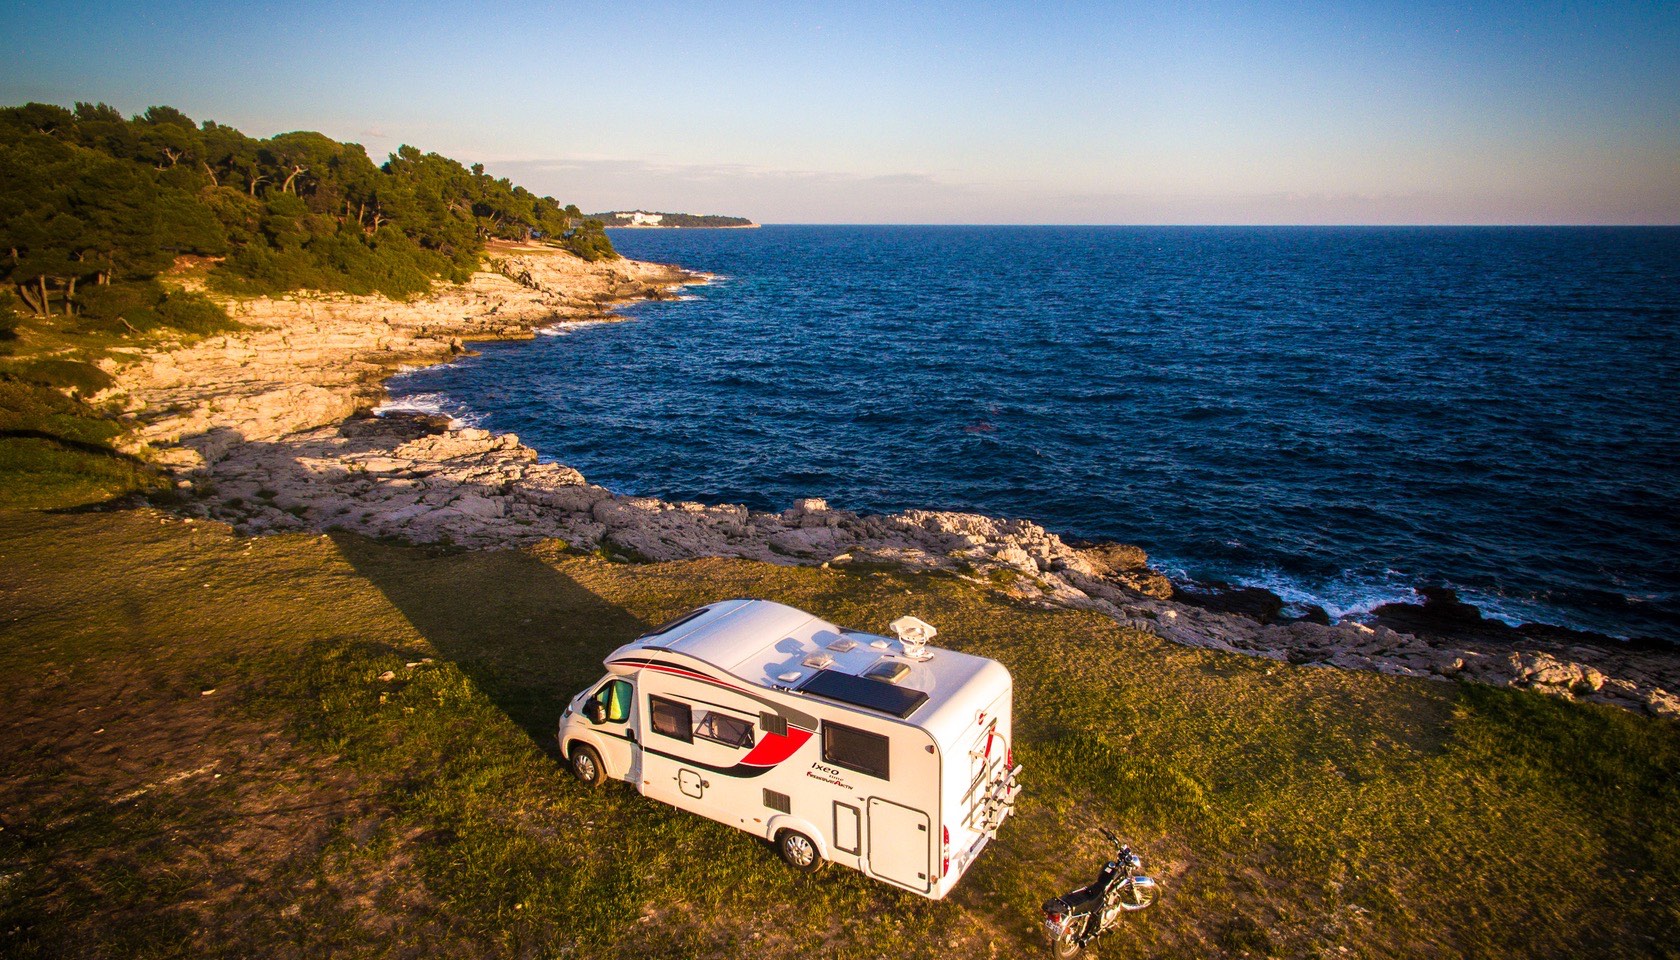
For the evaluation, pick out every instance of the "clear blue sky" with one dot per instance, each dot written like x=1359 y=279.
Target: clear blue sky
x=938 y=113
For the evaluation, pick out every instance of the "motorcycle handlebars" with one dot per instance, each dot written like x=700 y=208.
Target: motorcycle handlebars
x=1111 y=837
x=1122 y=850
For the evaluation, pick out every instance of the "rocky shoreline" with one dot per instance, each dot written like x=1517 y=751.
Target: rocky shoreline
x=269 y=429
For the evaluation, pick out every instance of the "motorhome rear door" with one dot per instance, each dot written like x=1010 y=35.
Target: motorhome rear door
x=899 y=844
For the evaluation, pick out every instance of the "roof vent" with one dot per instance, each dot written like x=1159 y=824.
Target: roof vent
x=887 y=671
x=843 y=645
x=914 y=634
x=818 y=661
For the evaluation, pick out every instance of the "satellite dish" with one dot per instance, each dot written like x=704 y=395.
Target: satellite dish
x=913 y=635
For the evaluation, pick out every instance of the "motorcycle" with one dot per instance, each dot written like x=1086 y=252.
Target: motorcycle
x=1075 y=919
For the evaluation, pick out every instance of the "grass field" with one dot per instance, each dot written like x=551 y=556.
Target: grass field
x=57 y=446
x=199 y=758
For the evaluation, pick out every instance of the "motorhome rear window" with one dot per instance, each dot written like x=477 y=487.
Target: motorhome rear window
x=879 y=695
x=855 y=749
x=671 y=719
x=670 y=625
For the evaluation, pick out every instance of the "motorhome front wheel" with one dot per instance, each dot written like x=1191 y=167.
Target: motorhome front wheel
x=586 y=765
x=799 y=851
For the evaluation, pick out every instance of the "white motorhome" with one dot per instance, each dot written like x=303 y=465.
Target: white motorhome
x=884 y=755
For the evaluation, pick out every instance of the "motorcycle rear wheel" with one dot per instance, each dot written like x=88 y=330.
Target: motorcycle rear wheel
x=1065 y=947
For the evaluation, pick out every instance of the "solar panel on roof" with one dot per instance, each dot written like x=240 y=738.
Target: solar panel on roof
x=863 y=692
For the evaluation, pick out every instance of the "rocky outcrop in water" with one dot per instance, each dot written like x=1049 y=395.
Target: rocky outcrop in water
x=268 y=430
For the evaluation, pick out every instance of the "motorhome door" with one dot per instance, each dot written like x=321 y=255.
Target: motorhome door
x=899 y=844
x=617 y=729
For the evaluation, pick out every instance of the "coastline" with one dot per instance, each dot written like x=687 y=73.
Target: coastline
x=270 y=430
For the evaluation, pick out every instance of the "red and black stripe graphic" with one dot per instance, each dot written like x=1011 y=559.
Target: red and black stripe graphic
x=771 y=749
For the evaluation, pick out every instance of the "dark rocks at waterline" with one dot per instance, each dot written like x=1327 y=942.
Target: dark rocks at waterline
x=1444 y=616
x=396 y=426
x=1441 y=611
x=1256 y=603
x=1313 y=613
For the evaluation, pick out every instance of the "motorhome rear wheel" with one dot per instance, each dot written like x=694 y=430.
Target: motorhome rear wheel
x=799 y=851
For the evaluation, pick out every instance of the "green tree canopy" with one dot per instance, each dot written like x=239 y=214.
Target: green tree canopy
x=87 y=196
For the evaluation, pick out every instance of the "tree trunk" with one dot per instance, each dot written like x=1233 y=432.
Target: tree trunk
x=70 y=298
x=215 y=181
x=46 y=302
x=28 y=296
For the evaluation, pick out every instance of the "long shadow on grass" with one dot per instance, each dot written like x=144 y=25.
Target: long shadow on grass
x=527 y=635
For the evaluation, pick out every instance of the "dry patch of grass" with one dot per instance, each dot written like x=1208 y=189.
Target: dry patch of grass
x=308 y=807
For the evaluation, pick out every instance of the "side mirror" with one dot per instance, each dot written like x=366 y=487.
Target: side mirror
x=596 y=711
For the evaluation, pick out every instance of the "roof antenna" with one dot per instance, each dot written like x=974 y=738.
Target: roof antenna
x=913 y=635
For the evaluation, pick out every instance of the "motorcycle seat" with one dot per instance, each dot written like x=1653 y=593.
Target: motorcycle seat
x=1083 y=900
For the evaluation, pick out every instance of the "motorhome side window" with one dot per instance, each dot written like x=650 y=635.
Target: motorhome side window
x=671 y=719
x=727 y=730
x=615 y=697
x=855 y=749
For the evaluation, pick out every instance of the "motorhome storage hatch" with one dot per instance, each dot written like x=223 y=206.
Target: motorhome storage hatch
x=885 y=755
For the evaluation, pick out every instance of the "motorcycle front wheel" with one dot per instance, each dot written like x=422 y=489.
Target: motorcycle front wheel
x=1136 y=893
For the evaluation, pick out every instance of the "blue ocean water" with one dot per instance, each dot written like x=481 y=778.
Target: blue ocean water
x=1339 y=414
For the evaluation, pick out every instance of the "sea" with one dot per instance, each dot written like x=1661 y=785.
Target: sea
x=1338 y=414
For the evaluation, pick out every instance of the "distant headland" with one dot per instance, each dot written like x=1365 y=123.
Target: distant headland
x=646 y=220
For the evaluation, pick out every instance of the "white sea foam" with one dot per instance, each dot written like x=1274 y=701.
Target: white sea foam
x=1347 y=596
x=570 y=327
x=1352 y=596
x=431 y=404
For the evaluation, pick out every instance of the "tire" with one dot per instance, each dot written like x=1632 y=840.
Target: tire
x=799 y=851
x=1065 y=947
x=586 y=765
x=1137 y=893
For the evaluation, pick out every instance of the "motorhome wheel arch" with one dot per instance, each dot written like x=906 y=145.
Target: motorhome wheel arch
x=879 y=754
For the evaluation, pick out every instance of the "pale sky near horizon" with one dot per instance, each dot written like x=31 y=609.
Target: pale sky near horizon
x=937 y=113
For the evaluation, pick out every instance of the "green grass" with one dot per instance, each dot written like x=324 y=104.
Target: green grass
x=42 y=473
x=57 y=448
x=1289 y=811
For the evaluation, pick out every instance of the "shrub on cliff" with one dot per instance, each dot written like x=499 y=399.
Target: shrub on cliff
x=146 y=306
x=84 y=379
